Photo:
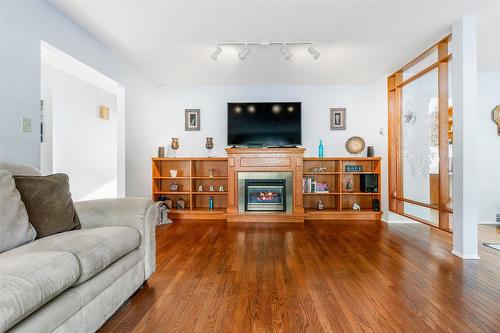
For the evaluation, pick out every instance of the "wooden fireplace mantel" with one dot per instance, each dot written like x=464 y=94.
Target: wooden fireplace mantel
x=265 y=160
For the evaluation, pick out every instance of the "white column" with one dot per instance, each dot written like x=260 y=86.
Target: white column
x=465 y=189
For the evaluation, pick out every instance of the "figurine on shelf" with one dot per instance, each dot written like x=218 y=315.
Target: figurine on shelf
x=161 y=152
x=320 y=169
x=221 y=188
x=211 y=172
x=180 y=204
x=209 y=144
x=200 y=188
x=175 y=145
x=174 y=187
x=320 y=205
x=348 y=184
x=355 y=206
x=211 y=189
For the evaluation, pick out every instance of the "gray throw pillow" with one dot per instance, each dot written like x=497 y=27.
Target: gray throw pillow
x=48 y=202
x=15 y=230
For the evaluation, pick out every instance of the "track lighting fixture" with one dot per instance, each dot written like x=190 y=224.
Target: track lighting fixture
x=244 y=53
x=215 y=55
x=315 y=53
x=285 y=52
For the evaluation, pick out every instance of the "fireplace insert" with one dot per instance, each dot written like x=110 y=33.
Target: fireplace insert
x=265 y=195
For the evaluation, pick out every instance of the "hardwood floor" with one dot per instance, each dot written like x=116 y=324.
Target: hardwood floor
x=316 y=277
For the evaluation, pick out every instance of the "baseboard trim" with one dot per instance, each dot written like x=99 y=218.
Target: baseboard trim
x=488 y=223
x=465 y=256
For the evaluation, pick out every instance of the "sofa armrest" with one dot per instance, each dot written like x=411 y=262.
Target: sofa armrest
x=137 y=213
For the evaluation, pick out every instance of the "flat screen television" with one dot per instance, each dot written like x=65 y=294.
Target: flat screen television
x=264 y=124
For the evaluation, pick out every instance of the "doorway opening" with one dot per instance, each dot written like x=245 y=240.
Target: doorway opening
x=82 y=131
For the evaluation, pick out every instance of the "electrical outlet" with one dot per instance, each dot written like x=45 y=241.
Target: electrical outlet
x=26 y=125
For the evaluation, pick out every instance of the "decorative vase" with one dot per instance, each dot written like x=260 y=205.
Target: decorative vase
x=175 y=145
x=209 y=144
x=180 y=204
x=173 y=173
x=174 y=187
x=370 y=152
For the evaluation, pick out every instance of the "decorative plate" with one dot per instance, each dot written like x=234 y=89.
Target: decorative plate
x=355 y=145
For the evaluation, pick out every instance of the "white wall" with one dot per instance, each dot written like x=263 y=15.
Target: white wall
x=488 y=147
x=366 y=115
x=80 y=143
x=24 y=24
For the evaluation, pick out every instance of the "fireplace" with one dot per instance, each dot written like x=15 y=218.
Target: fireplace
x=270 y=192
x=265 y=195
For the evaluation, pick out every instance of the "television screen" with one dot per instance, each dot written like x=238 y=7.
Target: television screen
x=264 y=124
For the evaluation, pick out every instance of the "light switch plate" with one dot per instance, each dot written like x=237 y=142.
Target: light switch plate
x=26 y=125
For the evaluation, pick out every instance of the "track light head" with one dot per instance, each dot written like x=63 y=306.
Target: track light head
x=244 y=53
x=215 y=55
x=285 y=52
x=315 y=53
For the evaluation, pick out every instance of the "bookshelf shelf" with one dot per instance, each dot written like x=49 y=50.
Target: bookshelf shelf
x=192 y=172
x=340 y=200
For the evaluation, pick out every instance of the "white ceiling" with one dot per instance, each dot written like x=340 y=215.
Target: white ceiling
x=359 y=41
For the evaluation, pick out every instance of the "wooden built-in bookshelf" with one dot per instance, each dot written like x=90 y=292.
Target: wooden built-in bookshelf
x=191 y=173
x=338 y=202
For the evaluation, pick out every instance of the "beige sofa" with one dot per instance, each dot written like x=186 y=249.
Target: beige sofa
x=74 y=281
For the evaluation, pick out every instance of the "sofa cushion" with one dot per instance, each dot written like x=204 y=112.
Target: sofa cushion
x=48 y=202
x=90 y=303
x=20 y=169
x=95 y=248
x=15 y=230
x=28 y=281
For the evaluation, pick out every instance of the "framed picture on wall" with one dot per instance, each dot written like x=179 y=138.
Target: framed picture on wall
x=192 y=120
x=337 y=118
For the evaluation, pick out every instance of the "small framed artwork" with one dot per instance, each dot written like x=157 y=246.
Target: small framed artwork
x=337 y=119
x=192 y=121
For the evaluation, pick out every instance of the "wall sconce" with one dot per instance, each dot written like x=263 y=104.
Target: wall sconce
x=104 y=112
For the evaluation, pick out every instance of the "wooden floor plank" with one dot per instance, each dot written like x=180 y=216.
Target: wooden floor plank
x=314 y=277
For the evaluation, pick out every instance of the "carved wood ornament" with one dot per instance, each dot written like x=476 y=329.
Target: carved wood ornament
x=496 y=118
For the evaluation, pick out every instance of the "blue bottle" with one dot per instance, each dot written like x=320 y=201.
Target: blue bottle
x=211 y=203
x=320 y=149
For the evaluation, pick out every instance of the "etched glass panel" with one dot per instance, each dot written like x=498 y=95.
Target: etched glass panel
x=420 y=140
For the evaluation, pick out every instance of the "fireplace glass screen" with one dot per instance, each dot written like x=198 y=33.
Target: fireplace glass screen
x=265 y=195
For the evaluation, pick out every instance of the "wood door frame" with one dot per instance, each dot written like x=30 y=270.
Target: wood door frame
x=395 y=84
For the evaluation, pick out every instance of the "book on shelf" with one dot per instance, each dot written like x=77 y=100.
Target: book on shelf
x=310 y=185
